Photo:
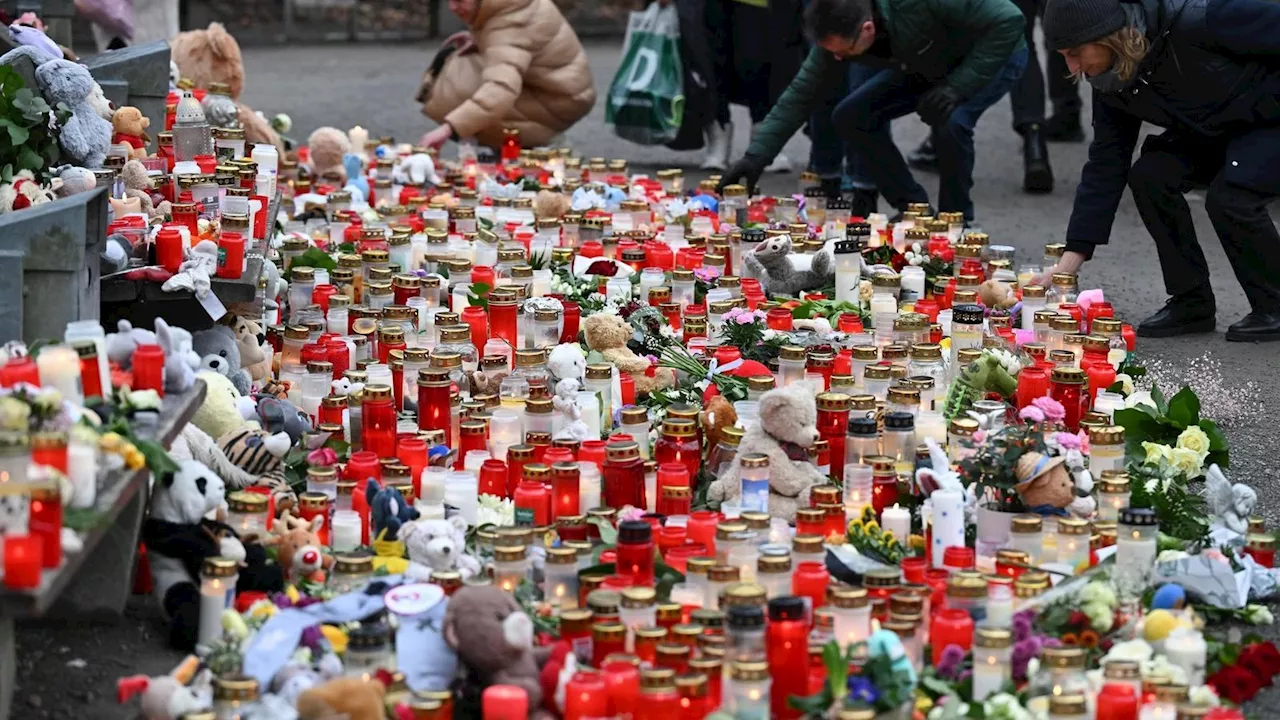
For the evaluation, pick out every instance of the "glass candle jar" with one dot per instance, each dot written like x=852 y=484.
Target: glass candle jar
x=852 y=614
x=217 y=593
x=678 y=443
x=1025 y=536
x=1073 y=543
x=247 y=513
x=1113 y=491
x=623 y=475
x=791 y=366
x=749 y=699
x=350 y=573
x=235 y=698
x=1067 y=387
x=378 y=421
x=635 y=552
x=1136 y=548
x=510 y=566
x=638 y=609
x=992 y=658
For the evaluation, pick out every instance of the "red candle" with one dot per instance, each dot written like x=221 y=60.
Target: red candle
x=505 y=702
x=787 y=643
x=913 y=569
x=628 y=385
x=1067 y=386
x=635 y=551
x=833 y=418
x=148 y=368
x=950 y=627
x=230 y=255
x=493 y=478
x=1117 y=701
x=1102 y=375
x=517 y=457
x=1033 y=382
x=779 y=319
x=622 y=681
x=169 y=249
x=412 y=451
x=502 y=317
x=884 y=491
x=586 y=696
x=44 y=522
x=434 y=410
x=810 y=580
x=532 y=499
x=565 y=481
x=572 y=318
x=379 y=421
x=958 y=558
x=701 y=528
x=22 y=561
x=510 y=152
x=623 y=476
x=1262 y=548
x=478 y=319
x=23 y=370
x=50 y=449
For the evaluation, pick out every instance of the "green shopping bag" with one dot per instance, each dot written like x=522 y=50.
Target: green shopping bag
x=646 y=98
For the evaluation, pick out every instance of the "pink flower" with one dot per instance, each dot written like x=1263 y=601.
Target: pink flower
x=1067 y=441
x=745 y=318
x=1083 y=437
x=1031 y=414
x=630 y=513
x=706 y=274
x=1052 y=409
x=322 y=457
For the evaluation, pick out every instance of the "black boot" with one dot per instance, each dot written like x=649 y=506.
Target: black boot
x=864 y=202
x=1256 y=327
x=924 y=157
x=1184 y=314
x=1064 y=128
x=1037 y=176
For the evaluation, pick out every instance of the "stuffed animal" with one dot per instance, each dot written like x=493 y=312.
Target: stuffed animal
x=298 y=550
x=138 y=184
x=717 y=415
x=101 y=105
x=219 y=351
x=193 y=443
x=178 y=372
x=223 y=409
x=785 y=432
x=980 y=377
x=551 y=205
x=494 y=642
x=22 y=192
x=435 y=545
x=85 y=136
x=328 y=145
x=172 y=696
x=212 y=56
x=74 y=180
x=770 y=263
x=126 y=339
x=353 y=698
x=608 y=334
x=255 y=353
x=129 y=126
x=282 y=416
x=180 y=537
x=416 y=170
x=1043 y=481
x=389 y=511
x=195 y=272
x=261 y=454
x=997 y=295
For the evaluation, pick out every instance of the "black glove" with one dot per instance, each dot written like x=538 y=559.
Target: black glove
x=746 y=171
x=937 y=104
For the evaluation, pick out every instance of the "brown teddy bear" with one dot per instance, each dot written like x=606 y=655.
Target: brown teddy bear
x=212 y=55
x=787 y=428
x=551 y=205
x=129 y=126
x=327 y=146
x=353 y=698
x=716 y=416
x=252 y=343
x=607 y=334
x=494 y=642
x=997 y=295
x=1044 y=480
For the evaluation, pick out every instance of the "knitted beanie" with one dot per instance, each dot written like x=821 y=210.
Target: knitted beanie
x=1071 y=23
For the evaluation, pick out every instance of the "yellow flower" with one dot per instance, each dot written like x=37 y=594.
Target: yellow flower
x=868 y=514
x=855 y=526
x=134 y=460
x=923 y=703
x=292 y=593
x=873 y=527
x=1187 y=462
x=1195 y=440
x=109 y=442
x=337 y=639
x=1157 y=454
x=916 y=542
x=889 y=537
x=262 y=610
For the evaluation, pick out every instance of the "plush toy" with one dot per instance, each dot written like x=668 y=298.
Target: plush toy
x=172 y=696
x=551 y=205
x=178 y=373
x=255 y=352
x=195 y=272
x=22 y=192
x=1043 y=481
x=223 y=409
x=494 y=641
x=717 y=415
x=770 y=263
x=416 y=170
x=85 y=136
x=219 y=351
x=328 y=145
x=608 y=334
x=193 y=443
x=129 y=126
x=786 y=430
x=212 y=56
x=298 y=550
x=389 y=511
x=435 y=545
x=353 y=698
x=261 y=454
x=997 y=295
x=75 y=180
x=282 y=416
x=115 y=254
x=179 y=538
x=101 y=105
x=126 y=339
x=138 y=184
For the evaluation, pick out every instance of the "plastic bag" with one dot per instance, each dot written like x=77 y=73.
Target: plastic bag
x=646 y=98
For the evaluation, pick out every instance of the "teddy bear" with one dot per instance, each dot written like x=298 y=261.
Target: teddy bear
x=770 y=263
x=138 y=184
x=786 y=430
x=435 y=545
x=129 y=126
x=298 y=549
x=255 y=352
x=997 y=295
x=186 y=690
x=22 y=192
x=607 y=334
x=328 y=145
x=211 y=56
x=1044 y=481
x=220 y=352
x=353 y=698
x=494 y=642
x=388 y=511
x=224 y=409
x=85 y=137
x=278 y=415
x=717 y=415
x=179 y=537
x=551 y=205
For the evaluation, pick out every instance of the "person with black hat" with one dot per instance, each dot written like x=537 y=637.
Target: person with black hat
x=946 y=60
x=1207 y=72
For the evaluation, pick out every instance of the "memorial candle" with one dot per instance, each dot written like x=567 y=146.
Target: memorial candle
x=992 y=653
x=22 y=561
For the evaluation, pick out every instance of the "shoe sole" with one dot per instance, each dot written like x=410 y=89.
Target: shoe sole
x=1199 y=326
x=1253 y=337
x=1038 y=181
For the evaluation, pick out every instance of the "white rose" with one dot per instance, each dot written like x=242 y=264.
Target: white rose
x=1139 y=398
x=1195 y=440
x=1258 y=615
x=1126 y=384
x=1203 y=696
x=1171 y=556
x=1137 y=650
x=1187 y=462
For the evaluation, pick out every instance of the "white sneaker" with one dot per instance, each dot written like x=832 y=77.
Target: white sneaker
x=719 y=138
x=780 y=164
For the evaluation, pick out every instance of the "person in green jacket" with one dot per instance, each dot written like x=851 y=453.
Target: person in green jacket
x=946 y=60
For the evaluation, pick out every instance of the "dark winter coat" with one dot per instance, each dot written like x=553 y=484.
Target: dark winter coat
x=963 y=44
x=1212 y=72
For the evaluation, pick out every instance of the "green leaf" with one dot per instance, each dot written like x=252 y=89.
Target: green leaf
x=608 y=533
x=17 y=134
x=1158 y=397
x=478 y=295
x=29 y=159
x=1184 y=408
x=315 y=257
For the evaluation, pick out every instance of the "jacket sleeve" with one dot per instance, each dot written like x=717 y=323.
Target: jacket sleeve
x=1103 y=179
x=507 y=54
x=793 y=108
x=1242 y=27
x=996 y=27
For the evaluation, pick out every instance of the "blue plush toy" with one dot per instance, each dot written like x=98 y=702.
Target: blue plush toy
x=1169 y=596
x=355 y=173
x=388 y=509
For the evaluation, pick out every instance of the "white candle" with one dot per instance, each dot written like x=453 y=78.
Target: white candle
x=346 y=530
x=82 y=469
x=1187 y=649
x=948 y=522
x=217 y=593
x=931 y=424
x=588 y=486
x=897 y=520
x=989 y=673
x=589 y=404
x=59 y=367
x=686 y=594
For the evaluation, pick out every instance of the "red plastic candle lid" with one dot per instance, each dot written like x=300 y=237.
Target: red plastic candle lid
x=958 y=557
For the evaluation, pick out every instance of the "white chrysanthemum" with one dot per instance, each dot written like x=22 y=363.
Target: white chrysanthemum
x=1203 y=696
x=1258 y=615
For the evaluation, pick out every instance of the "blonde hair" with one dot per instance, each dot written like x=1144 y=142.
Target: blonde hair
x=1128 y=47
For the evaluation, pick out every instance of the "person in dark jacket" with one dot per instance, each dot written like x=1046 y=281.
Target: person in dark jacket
x=1207 y=72
x=947 y=60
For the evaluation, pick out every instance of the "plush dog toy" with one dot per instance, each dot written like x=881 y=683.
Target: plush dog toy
x=436 y=545
x=770 y=263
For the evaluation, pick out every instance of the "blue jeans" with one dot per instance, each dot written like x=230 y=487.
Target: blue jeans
x=829 y=155
x=882 y=95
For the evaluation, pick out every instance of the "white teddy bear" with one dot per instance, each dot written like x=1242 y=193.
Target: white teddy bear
x=436 y=545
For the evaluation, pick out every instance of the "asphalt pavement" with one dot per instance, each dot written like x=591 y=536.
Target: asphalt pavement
x=66 y=668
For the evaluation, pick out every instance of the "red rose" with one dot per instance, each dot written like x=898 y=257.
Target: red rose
x=1235 y=684
x=1077 y=619
x=1262 y=660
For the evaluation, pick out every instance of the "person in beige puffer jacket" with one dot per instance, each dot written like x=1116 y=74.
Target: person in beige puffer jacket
x=521 y=66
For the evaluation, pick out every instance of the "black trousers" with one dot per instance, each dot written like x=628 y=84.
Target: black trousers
x=757 y=52
x=1027 y=96
x=1166 y=169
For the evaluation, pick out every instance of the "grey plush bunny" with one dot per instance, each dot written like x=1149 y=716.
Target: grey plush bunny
x=85 y=137
x=769 y=263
